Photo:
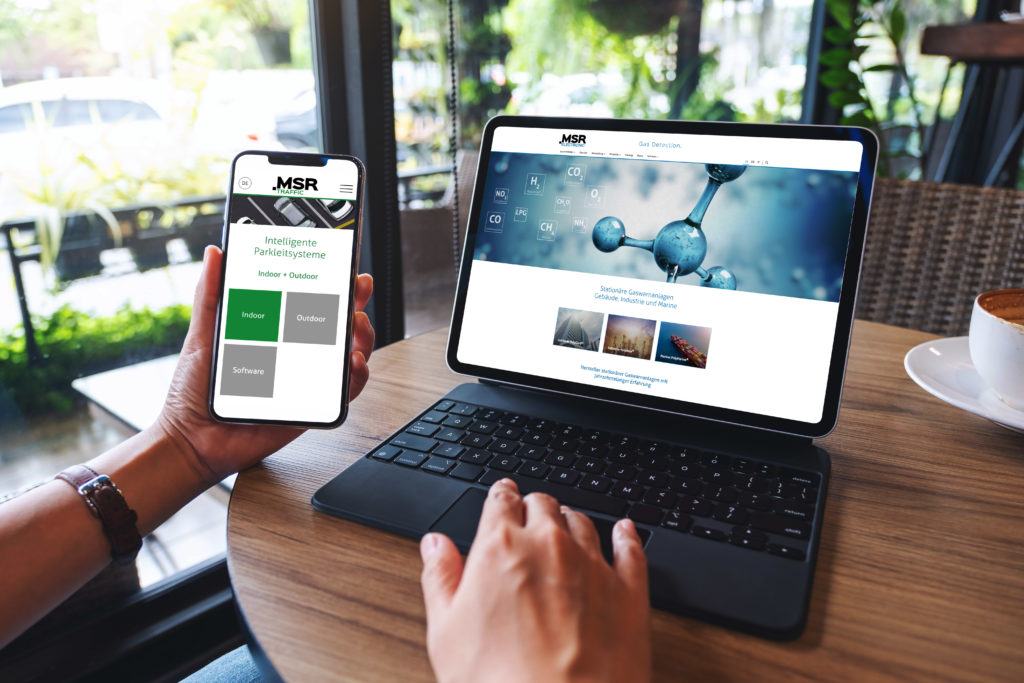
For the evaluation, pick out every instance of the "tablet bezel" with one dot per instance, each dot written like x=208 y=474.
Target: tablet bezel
x=847 y=298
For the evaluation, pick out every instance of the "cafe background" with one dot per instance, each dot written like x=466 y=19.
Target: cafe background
x=119 y=118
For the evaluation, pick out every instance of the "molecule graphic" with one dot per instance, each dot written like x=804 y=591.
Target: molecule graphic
x=679 y=248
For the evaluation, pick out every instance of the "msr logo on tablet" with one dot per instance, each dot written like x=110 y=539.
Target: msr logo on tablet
x=295 y=184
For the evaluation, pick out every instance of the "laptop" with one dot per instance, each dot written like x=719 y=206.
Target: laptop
x=658 y=315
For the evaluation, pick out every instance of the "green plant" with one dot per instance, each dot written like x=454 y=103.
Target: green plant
x=73 y=344
x=846 y=72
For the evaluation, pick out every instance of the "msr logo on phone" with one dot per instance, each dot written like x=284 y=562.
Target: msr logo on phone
x=295 y=184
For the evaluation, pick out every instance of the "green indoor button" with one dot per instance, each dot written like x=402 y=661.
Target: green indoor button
x=253 y=315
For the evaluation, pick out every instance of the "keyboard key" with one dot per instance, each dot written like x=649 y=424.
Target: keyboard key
x=695 y=506
x=422 y=428
x=513 y=420
x=567 y=445
x=449 y=434
x=745 y=542
x=573 y=497
x=786 y=551
x=717 y=477
x=684 y=454
x=561 y=475
x=476 y=456
x=542 y=426
x=788 y=508
x=808 y=496
x=677 y=521
x=433 y=417
x=449 y=450
x=722 y=494
x=532 y=452
x=628 y=491
x=743 y=466
x=645 y=514
x=536 y=439
x=509 y=433
x=560 y=458
x=416 y=443
x=590 y=465
x=444 y=406
x=731 y=514
x=658 y=463
x=624 y=441
x=754 y=484
x=685 y=469
x=807 y=479
x=653 y=448
x=475 y=440
x=411 y=458
x=757 y=501
x=504 y=446
x=597 y=483
x=491 y=415
x=483 y=427
x=661 y=498
x=438 y=465
x=463 y=409
x=705 y=532
x=596 y=436
x=784 y=489
x=622 y=472
x=780 y=525
x=621 y=456
x=386 y=453
x=458 y=421
x=690 y=486
x=594 y=450
x=655 y=479
x=537 y=470
x=765 y=469
x=568 y=431
x=505 y=463
x=745 y=532
x=716 y=460
x=466 y=472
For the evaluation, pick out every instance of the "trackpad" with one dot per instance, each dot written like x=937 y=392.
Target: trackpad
x=460 y=521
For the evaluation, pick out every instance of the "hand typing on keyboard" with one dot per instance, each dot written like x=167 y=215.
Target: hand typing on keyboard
x=535 y=598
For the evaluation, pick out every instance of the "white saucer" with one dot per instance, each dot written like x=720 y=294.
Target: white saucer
x=943 y=368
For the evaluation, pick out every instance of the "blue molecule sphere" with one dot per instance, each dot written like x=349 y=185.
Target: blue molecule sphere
x=723 y=173
x=680 y=244
x=609 y=234
x=719 y=277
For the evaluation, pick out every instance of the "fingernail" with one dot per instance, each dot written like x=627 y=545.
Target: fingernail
x=564 y=509
x=626 y=526
x=206 y=254
x=428 y=546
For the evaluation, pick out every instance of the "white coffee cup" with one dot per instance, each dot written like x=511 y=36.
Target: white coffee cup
x=997 y=343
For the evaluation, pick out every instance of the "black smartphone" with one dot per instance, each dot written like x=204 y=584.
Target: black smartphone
x=284 y=319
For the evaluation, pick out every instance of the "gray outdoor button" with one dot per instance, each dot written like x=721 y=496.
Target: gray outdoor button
x=311 y=318
x=248 y=370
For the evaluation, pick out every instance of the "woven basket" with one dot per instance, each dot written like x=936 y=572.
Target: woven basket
x=932 y=247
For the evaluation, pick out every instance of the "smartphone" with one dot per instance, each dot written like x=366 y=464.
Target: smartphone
x=284 y=319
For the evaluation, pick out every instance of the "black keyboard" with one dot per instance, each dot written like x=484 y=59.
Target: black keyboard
x=751 y=504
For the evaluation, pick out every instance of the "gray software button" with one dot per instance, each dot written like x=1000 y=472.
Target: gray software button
x=311 y=318
x=248 y=370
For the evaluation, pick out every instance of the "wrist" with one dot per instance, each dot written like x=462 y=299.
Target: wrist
x=177 y=441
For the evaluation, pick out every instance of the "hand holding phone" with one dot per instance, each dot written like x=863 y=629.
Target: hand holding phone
x=284 y=317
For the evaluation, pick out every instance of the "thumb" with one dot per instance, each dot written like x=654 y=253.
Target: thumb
x=442 y=571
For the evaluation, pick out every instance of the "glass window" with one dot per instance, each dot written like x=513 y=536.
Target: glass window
x=114 y=111
x=14 y=118
x=111 y=204
x=61 y=113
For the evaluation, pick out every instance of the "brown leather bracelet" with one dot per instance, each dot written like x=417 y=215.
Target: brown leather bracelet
x=107 y=504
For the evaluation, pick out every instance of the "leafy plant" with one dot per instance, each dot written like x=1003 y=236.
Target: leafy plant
x=73 y=344
x=846 y=71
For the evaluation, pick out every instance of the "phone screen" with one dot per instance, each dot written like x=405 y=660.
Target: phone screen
x=285 y=311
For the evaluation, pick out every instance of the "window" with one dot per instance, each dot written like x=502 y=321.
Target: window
x=62 y=113
x=15 y=118
x=115 y=111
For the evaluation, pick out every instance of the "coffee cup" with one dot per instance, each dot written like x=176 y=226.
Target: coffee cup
x=997 y=343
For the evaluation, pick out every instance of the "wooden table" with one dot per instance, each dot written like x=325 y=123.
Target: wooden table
x=920 y=573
